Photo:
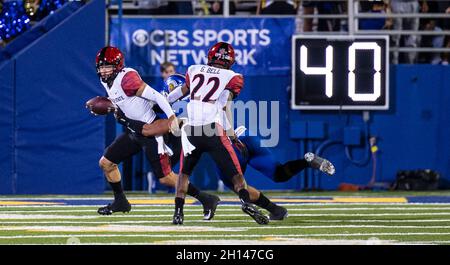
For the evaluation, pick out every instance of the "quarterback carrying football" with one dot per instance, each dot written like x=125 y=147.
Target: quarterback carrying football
x=136 y=100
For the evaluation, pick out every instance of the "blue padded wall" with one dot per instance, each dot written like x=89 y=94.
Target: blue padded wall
x=6 y=127
x=57 y=141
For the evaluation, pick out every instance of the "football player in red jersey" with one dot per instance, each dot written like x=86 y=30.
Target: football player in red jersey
x=136 y=99
x=206 y=85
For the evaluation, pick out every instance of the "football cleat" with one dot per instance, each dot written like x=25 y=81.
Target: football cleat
x=254 y=213
x=178 y=219
x=210 y=206
x=120 y=205
x=280 y=213
x=320 y=163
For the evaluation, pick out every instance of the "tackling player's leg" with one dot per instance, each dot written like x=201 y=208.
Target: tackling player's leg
x=225 y=157
x=240 y=187
x=277 y=212
x=262 y=159
x=284 y=172
x=259 y=199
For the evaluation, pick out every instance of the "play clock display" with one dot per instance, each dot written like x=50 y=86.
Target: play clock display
x=340 y=72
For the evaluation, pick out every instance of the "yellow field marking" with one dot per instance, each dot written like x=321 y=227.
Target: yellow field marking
x=270 y=238
x=159 y=201
x=339 y=200
x=374 y=200
x=302 y=200
x=191 y=201
x=8 y=203
x=284 y=200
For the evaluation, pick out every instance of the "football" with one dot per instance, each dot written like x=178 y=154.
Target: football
x=100 y=105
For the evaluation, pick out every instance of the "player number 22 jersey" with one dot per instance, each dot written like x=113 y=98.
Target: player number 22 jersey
x=206 y=84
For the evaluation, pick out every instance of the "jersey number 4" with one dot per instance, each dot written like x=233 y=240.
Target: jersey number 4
x=199 y=85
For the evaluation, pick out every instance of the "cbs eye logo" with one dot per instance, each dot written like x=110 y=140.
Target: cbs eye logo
x=140 y=37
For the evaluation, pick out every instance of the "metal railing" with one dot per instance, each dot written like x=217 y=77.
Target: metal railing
x=349 y=18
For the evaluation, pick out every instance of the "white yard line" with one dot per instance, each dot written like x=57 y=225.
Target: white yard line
x=219 y=209
x=434 y=242
x=187 y=228
x=379 y=221
x=350 y=205
x=227 y=235
x=227 y=221
x=168 y=221
x=277 y=241
x=374 y=214
x=44 y=216
x=346 y=226
x=123 y=228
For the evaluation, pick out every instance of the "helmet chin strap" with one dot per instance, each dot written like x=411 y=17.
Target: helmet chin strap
x=110 y=79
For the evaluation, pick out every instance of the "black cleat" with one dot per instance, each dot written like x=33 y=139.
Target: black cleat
x=210 y=206
x=118 y=205
x=254 y=213
x=280 y=213
x=320 y=163
x=178 y=219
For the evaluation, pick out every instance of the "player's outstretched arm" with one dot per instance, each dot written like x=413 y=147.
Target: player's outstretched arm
x=158 y=127
x=145 y=91
x=178 y=93
x=133 y=125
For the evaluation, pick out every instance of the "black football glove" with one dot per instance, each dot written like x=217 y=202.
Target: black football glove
x=133 y=125
x=240 y=146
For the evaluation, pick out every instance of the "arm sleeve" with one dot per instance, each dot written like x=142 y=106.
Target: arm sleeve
x=131 y=83
x=152 y=95
x=175 y=95
x=235 y=85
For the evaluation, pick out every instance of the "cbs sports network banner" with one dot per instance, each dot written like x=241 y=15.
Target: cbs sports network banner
x=262 y=45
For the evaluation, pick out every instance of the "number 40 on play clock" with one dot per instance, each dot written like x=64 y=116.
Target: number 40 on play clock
x=335 y=72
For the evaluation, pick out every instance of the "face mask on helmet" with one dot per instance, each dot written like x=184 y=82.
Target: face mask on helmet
x=106 y=72
x=109 y=63
x=173 y=82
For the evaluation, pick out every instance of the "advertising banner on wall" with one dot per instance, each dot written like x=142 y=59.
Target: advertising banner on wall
x=262 y=45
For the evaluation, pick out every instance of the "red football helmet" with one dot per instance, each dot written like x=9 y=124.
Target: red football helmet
x=221 y=53
x=109 y=56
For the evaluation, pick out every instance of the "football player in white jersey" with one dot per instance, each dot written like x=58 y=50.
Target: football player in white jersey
x=204 y=133
x=136 y=99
